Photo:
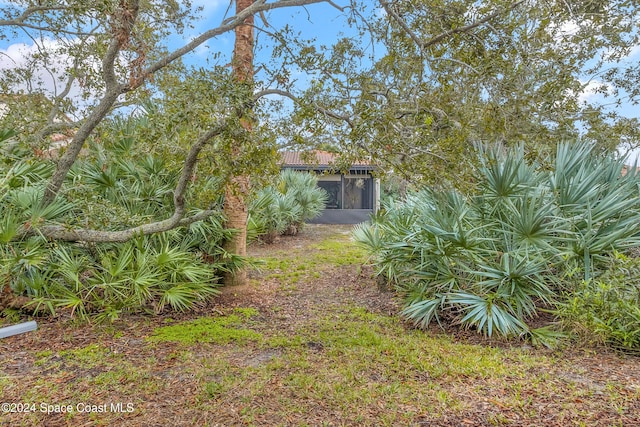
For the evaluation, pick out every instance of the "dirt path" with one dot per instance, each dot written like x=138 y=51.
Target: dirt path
x=311 y=282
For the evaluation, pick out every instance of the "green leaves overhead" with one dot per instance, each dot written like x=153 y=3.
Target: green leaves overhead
x=444 y=75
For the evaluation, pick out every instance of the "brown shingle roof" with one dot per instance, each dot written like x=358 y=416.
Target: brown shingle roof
x=322 y=159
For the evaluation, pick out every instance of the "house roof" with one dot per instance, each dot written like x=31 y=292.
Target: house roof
x=317 y=160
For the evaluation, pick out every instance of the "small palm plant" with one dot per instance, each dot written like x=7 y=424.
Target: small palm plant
x=492 y=260
x=283 y=209
x=303 y=187
x=115 y=185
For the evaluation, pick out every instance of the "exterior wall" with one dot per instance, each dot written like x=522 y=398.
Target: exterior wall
x=356 y=200
x=343 y=216
x=350 y=193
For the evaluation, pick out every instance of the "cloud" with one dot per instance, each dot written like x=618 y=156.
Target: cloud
x=594 y=89
x=568 y=29
x=563 y=32
x=46 y=62
x=634 y=52
x=45 y=68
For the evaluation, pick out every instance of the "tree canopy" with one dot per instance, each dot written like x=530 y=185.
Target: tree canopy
x=446 y=75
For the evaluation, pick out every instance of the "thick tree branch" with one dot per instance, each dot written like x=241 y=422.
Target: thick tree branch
x=123 y=22
x=54 y=114
x=21 y=21
x=437 y=39
x=29 y=12
x=403 y=24
x=62 y=232
x=226 y=26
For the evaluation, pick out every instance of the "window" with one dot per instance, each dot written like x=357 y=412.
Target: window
x=348 y=192
x=358 y=192
x=333 y=189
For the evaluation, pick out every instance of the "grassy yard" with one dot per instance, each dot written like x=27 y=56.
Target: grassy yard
x=311 y=341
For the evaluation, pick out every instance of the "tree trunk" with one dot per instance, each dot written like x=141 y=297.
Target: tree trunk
x=237 y=190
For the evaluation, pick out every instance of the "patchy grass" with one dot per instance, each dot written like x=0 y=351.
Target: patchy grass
x=335 y=250
x=315 y=344
x=339 y=250
x=217 y=330
x=87 y=357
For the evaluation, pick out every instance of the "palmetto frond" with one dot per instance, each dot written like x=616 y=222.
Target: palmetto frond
x=490 y=260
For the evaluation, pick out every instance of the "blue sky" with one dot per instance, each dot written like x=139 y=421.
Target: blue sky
x=316 y=20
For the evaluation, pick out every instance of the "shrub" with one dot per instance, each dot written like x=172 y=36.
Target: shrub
x=284 y=207
x=147 y=274
x=169 y=270
x=491 y=260
x=607 y=308
x=303 y=188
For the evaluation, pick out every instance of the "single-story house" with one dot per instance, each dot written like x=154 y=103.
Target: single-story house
x=353 y=196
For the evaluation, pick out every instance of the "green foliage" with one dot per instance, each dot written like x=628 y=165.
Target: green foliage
x=607 y=307
x=272 y=212
x=492 y=260
x=303 y=187
x=457 y=71
x=218 y=330
x=284 y=207
x=116 y=185
x=105 y=281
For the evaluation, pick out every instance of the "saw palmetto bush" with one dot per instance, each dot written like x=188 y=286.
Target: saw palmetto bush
x=303 y=188
x=147 y=274
x=284 y=207
x=492 y=260
x=114 y=186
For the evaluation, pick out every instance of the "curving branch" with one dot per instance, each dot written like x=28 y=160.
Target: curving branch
x=29 y=12
x=54 y=113
x=466 y=28
x=62 y=232
x=294 y=98
x=22 y=20
x=59 y=232
x=437 y=39
x=227 y=25
x=385 y=5
x=123 y=22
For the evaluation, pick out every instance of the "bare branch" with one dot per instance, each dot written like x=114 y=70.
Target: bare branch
x=21 y=21
x=123 y=24
x=51 y=125
x=226 y=26
x=317 y=107
x=463 y=64
x=30 y=11
x=123 y=20
x=61 y=232
x=434 y=40
x=404 y=25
